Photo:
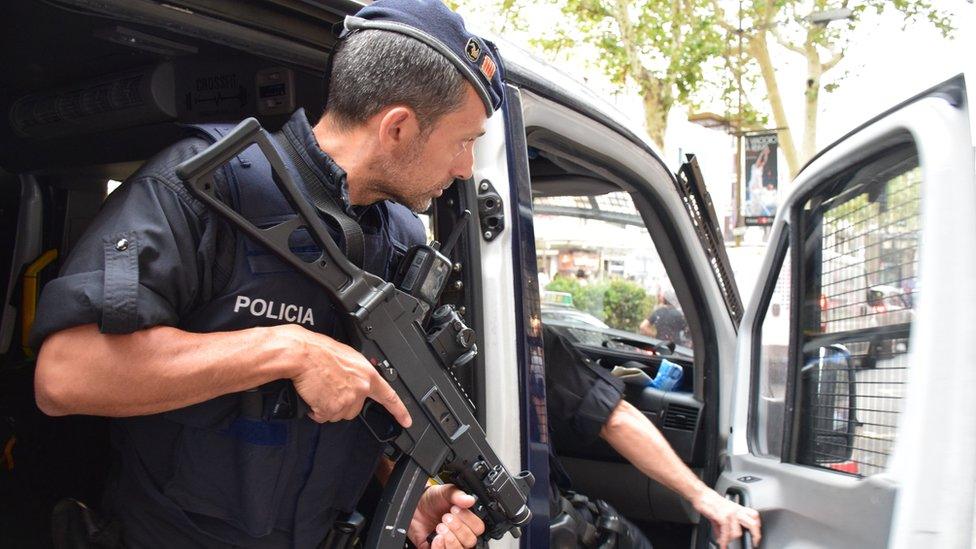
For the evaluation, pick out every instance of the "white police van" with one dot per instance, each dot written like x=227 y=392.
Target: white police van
x=854 y=428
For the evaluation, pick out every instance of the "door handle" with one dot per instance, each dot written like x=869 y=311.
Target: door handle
x=741 y=497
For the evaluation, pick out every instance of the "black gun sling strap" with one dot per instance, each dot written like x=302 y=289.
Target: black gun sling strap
x=352 y=242
x=325 y=202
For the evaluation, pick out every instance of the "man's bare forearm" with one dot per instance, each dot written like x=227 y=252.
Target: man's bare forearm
x=83 y=371
x=639 y=441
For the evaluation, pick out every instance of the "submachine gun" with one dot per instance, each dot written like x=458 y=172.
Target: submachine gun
x=412 y=347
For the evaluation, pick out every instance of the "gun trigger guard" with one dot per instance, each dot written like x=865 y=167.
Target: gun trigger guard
x=379 y=422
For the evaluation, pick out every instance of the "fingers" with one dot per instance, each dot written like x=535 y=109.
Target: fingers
x=335 y=380
x=448 y=495
x=729 y=519
x=461 y=531
x=753 y=522
x=734 y=528
x=459 y=526
x=460 y=498
x=730 y=527
x=316 y=417
x=721 y=534
x=446 y=539
x=381 y=392
x=469 y=520
x=461 y=503
x=438 y=542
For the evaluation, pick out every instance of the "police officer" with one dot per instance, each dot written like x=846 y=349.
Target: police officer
x=190 y=336
x=585 y=403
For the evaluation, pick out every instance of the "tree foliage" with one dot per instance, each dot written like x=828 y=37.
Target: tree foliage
x=587 y=298
x=659 y=48
x=799 y=26
x=688 y=51
x=626 y=304
x=622 y=304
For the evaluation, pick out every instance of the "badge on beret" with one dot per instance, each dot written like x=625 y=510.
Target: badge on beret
x=473 y=50
x=488 y=67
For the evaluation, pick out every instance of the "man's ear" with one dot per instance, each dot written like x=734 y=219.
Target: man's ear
x=398 y=125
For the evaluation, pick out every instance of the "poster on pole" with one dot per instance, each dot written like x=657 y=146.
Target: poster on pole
x=761 y=181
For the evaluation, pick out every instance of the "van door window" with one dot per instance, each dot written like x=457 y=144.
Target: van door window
x=774 y=341
x=859 y=289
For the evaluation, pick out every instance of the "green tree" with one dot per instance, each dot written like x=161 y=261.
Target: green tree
x=819 y=30
x=626 y=304
x=660 y=48
x=563 y=284
x=586 y=297
x=665 y=48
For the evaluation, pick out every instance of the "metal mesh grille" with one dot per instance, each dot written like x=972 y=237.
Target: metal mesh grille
x=855 y=354
x=618 y=202
x=701 y=211
x=868 y=262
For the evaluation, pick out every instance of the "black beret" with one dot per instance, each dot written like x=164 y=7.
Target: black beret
x=434 y=24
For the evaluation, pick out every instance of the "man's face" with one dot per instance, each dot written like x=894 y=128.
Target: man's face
x=421 y=169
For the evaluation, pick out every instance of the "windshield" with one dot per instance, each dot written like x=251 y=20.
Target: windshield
x=602 y=275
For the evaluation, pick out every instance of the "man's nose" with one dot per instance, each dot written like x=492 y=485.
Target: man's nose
x=464 y=165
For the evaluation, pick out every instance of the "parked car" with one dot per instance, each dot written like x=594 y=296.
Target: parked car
x=92 y=89
x=571 y=316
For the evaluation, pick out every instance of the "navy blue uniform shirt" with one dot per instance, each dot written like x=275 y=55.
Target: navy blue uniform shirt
x=206 y=475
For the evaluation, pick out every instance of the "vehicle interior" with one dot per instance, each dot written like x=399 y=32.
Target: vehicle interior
x=567 y=193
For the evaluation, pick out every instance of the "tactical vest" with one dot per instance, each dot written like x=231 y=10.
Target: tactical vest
x=227 y=468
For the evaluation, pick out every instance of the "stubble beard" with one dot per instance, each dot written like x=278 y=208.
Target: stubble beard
x=402 y=169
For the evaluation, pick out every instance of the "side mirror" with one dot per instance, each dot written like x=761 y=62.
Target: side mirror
x=827 y=407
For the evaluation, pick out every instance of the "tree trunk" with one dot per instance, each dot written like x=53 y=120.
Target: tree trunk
x=655 y=93
x=811 y=98
x=760 y=52
x=657 y=104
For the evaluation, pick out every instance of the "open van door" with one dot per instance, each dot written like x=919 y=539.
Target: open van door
x=853 y=418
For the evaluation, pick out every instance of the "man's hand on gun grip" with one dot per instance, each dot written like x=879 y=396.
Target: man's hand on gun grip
x=444 y=510
x=335 y=379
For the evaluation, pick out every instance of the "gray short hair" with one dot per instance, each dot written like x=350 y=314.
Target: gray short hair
x=373 y=69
